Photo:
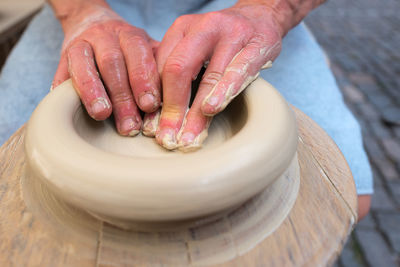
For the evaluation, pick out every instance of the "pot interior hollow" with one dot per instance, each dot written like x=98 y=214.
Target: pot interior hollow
x=103 y=134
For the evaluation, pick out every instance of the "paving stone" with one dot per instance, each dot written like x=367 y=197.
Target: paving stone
x=379 y=100
x=380 y=130
x=398 y=168
x=391 y=115
x=373 y=148
x=368 y=111
x=367 y=222
x=381 y=200
x=392 y=148
x=369 y=88
x=390 y=225
x=346 y=62
x=378 y=179
x=352 y=94
x=337 y=71
x=361 y=78
x=351 y=255
x=375 y=250
x=394 y=188
x=396 y=130
x=387 y=169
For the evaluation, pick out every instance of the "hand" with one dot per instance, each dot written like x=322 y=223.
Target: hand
x=98 y=39
x=237 y=42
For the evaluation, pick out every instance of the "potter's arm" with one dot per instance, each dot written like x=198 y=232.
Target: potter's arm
x=288 y=13
x=65 y=10
x=110 y=62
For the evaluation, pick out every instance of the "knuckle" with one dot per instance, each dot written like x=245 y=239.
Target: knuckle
x=78 y=47
x=135 y=39
x=172 y=110
x=211 y=78
x=129 y=29
x=122 y=98
x=139 y=73
x=174 y=66
x=110 y=56
x=182 y=20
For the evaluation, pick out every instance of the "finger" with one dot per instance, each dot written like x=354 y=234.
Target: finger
x=195 y=130
x=171 y=38
x=142 y=69
x=113 y=71
x=86 y=81
x=61 y=72
x=243 y=69
x=181 y=67
x=150 y=123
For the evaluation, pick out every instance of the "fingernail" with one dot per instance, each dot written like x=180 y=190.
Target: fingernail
x=99 y=105
x=167 y=138
x=210 y=105
x=147 y=101
x=187 y=138
x=150 y=123
x=190 y=142
x=212 y=101
x=129 y=126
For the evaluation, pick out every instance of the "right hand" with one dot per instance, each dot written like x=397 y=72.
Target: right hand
x=98 y=40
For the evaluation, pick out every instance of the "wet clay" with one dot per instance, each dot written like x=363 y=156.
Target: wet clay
x=87 y=164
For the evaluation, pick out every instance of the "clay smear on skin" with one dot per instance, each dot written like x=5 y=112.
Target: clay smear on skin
x=103 y=101
x=229 y=94
x=198 y=140
x=134 y=132
x=170 y=141
x=92 y=73
x=151 y=123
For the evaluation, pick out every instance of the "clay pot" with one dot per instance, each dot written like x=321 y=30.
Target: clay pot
x=87 y=164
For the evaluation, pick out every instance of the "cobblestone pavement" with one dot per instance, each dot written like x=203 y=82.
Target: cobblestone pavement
x=362 y=39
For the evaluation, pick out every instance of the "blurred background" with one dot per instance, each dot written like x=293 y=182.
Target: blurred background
x=362 y=41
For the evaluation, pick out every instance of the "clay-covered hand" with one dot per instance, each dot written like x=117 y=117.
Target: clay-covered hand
x=237 y=42
x=112 y=67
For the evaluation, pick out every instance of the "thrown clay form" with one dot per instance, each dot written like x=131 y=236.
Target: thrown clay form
x=89 y=165
x=37 y=228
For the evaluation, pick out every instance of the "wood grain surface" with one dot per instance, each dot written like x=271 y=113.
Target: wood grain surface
x=312 y=234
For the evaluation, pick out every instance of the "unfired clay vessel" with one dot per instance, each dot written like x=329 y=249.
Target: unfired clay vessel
x=87 y=164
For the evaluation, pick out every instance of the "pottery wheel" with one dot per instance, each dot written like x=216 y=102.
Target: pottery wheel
x=39 y=229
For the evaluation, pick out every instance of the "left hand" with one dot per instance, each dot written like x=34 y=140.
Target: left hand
x=237 y=42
